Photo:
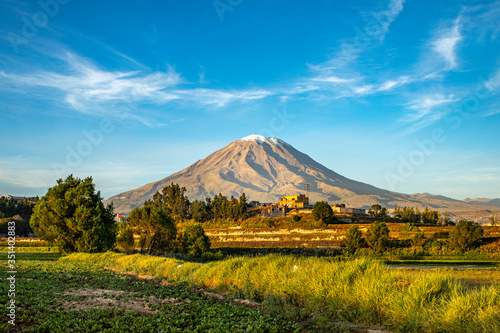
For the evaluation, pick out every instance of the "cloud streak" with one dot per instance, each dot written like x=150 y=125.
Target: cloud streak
x=89 y=89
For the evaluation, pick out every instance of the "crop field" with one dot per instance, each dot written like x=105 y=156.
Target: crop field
x=308 y=286
x=323 y=294
x=73 y=296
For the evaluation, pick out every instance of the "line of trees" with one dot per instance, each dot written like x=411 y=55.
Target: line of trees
x=220 y=207
x=463 y=237
x=377 y=238
x=19 y=212
x=73 y=217
x=428 y=216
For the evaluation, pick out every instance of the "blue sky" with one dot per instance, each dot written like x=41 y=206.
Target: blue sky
x=403 y=95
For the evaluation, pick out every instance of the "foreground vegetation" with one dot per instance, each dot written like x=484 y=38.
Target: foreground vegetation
x=360 y=291
x=73 y=296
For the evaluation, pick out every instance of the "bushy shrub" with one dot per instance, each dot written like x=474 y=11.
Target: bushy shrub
x=194 y=240
x=377 y=236
x=125 y=239
x=353 y=240
x=418 y=239
x=322 y=211
x=156 y=229
x=465 y=234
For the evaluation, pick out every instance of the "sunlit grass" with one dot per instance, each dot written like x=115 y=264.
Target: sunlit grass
x=361 y=291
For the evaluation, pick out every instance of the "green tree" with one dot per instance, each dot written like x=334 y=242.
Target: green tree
x=125 y=239
x=242 y=206
x=173 y=201
x=465 y=234
x=407 y=214
x=494 y=220
x=377 y=236
x=444 y=219
x=194 y=240
x=430 y=216
x=322 y=211
x=353 y=240
x=374 y=210
x=73 y=217
x=156 y=229
x=222 y=208
x=199 y=211
x=378 y=211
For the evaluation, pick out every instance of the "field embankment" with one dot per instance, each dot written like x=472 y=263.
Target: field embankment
x=360 y=291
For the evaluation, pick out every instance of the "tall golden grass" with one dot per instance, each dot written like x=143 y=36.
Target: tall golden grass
x=361 y=291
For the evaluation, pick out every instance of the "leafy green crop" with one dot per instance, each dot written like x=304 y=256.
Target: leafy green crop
x=77 y=297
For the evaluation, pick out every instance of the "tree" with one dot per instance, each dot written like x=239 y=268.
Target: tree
x=353 y=240
x=194 y=240
x=73 y=217
x=465 y=234
x=156 y=229
x=377 y=236
x=242 y=206
x=374 y=210
x=322 y=210
x=407 y=214
x=444 y=219
x=199 y=211
x=173 y=201
x=494 y=220
x=125 y=238
x=378 y=211
x=222 y=208
x=430 y=216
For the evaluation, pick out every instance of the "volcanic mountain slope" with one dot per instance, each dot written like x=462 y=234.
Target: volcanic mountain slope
x=267 y=168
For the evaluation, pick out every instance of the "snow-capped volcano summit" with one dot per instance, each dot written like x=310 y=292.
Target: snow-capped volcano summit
x=254 y=137
x=262 y=139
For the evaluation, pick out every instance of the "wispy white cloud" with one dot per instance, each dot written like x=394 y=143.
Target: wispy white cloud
x=391 y=84
x=445 y=43
x=88 y=89
x=220 y=98
x=493 y=83
x=331 y=79
x=427 y=109
x=483 y=20
x=374 y=31
x=338 y=76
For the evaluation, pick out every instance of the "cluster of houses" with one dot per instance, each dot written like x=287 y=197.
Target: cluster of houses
x=298 y=204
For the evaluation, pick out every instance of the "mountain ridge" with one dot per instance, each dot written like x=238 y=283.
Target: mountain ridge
x=267 y=168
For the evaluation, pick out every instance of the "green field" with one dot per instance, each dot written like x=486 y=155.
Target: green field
x=326 y=293
x=74 y=296
x=265 y=280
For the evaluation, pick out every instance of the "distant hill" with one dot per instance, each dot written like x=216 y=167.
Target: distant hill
x=267 y=168
x=483 y=201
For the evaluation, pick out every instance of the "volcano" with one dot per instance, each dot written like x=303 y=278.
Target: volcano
x=267 y=168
